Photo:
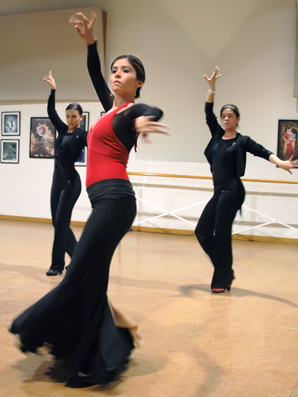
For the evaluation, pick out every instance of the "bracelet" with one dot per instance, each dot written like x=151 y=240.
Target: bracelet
x=92 y=42
x=212 y=90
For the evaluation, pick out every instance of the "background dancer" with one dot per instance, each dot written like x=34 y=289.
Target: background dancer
x=66 y=184
x=226 y=154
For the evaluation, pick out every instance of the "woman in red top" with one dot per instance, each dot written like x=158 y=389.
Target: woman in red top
x=75 y=318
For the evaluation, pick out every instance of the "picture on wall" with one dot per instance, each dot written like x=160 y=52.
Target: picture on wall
x=42 y=138
x=10 y=151
x=84 y=124
x=82 y=160
x=10 y=123
x=287 y=139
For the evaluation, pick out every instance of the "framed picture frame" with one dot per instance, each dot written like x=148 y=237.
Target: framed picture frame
x=10 y=123
x=287 y=146
x=42 y=138
x=82 y=159
x=10 y=149
x=84 y=124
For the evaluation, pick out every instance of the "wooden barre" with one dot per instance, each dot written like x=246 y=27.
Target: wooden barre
x=207 y=177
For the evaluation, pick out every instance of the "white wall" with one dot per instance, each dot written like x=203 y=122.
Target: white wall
x=257 y=68
x=49 y=43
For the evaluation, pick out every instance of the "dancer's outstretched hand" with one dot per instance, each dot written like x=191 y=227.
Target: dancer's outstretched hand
x=145 y=125
x=288 y=164
x=211 y=80
x=284 y=164
x=50 y=80
x=83 y=26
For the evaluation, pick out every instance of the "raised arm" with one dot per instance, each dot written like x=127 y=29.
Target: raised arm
x=103 y=92
x=211 y=81
x=53 y=115
x=84 y=27
x=211 y=119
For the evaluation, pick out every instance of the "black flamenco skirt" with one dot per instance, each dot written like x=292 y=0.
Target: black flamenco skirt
x=76 y=319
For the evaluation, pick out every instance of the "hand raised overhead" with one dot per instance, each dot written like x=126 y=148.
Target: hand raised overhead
x=50 y=80
x=211 y=80
x=84 y=27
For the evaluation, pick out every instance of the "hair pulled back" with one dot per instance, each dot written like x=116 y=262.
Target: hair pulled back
x=75 y=106
x=138 y=66
x=232 y=107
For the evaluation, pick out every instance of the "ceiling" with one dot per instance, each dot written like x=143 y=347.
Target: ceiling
x=204 y=19
x=197 y=17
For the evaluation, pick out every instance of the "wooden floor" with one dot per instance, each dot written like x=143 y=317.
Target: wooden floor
x=240 y=343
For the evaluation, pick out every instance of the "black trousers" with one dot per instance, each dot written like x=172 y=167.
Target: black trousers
x=63 y=199
x=214 y=230
x=113 y=211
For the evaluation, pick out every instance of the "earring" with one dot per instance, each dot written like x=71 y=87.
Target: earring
x=135 y=92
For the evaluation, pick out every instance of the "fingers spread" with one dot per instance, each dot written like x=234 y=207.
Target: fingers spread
x=78 y=29
x=73 y=19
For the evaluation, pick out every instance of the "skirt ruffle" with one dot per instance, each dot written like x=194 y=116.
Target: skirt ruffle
x=100 y=350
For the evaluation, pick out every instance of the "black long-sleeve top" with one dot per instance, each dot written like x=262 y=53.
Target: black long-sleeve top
x=239 y=147
x=68 y=145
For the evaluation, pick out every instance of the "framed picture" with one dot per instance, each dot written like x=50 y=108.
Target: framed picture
x=10 y=151
x=82 y=160
x=287 y=139
x=10 y=123
x=42 y=138
x=84 y=124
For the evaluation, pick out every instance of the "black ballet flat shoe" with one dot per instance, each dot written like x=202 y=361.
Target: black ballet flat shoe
x=53 y=272
x=78 y=382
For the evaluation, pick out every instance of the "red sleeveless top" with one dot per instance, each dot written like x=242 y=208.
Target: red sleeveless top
x=107 y=156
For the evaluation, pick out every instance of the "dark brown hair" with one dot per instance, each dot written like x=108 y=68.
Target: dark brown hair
x=138 y=66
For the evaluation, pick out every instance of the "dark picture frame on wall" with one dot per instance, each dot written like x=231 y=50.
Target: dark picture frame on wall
x=42 y=138
x=84 y=124
x=9 y=151
x=10 y=123
x=287 y=146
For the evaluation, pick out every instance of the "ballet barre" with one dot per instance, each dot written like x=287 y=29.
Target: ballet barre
x=164 y=212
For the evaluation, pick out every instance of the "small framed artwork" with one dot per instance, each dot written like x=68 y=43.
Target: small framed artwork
x=287 y=139
x=10 y=123
x=84 y=124
x=82 y=160
x=42 y=138
x=10 y=151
